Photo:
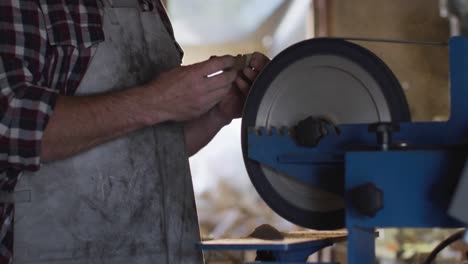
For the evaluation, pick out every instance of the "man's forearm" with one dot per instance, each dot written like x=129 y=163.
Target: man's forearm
x=81 y=122
x=180 y=94
x=199 y=132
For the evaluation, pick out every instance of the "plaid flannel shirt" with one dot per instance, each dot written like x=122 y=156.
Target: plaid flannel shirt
x=45 y=49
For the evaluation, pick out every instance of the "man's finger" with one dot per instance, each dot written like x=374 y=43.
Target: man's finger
x=250 y=74
x=242 y=85
x=216 y=96
x=259 y=61
x=218 y=81
x=216 y=64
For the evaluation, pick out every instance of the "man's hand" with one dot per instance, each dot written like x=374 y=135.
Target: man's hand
x=231 y=105
x=200 y=131
x=186 y=92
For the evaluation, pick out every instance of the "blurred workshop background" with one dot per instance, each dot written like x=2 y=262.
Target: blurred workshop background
x=228 y=205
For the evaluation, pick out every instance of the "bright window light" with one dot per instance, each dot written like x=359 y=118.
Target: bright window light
x=198 y=22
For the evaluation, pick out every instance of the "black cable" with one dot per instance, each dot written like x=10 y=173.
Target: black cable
x=452 y=238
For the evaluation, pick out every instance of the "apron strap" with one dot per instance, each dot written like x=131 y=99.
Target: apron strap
x=124 y=3
x=15 y=197
x=143 y=5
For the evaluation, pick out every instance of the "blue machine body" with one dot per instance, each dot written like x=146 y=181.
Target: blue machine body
x=416 y=181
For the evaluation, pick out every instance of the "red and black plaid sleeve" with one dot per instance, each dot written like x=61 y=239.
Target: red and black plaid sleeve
x=45 y=49
x=25 y=102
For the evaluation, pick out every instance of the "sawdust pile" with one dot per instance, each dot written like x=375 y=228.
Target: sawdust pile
x=228 y=213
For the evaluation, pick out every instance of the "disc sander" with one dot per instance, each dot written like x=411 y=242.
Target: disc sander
x=320 y=77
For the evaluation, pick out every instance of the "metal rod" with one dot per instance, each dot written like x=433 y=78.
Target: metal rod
x=395 y=41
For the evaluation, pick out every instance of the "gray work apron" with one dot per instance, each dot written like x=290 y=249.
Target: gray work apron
x=127 y=201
